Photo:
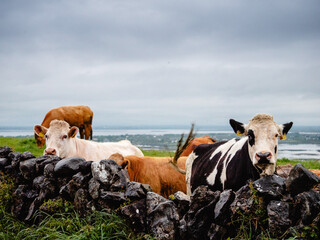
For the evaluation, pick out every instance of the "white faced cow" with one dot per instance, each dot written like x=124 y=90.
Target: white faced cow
x=61 y=141
x=229 y=164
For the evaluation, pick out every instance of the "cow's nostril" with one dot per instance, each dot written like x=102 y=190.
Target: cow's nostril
x=50 y=151
x=263 y=157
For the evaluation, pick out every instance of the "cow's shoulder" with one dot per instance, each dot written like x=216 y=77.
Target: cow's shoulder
x=202 y=149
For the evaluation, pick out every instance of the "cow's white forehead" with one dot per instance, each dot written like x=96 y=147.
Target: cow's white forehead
x=58 y=126
x=261 y=120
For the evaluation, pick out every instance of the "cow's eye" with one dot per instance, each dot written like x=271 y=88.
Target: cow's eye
x=46 y=136
x=277 y=135
x=64 y=136
x=251 y=137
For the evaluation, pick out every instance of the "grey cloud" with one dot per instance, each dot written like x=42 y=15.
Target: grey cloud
x=150 y=62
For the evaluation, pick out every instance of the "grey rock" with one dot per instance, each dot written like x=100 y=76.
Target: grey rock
x=216 y=232
x=271 y=186
x=109 y=174
x=27 y=155
x=78 y=181
x=136 y=191
x=308 y=206
x=182 y=202
x=301 y=179
x=42 y=161
x=28 y=168
x=5 y=151
x=48 y=189
x=4 y=162
x=37 y=182
x=68 y=191
x=279 y=217
x=93 y=188
x=162 y=216
x=15 y=157
x=243 y=200
x=48 y=170
x=222 y=212
x=35 y=205
x=22 y=199
x=135 y=214
x=86 y=167
x=201 y=213
x=81 y=201
x=69 y=166
x=81 y=180
x=183 y=228
x=201 y=197
x=111 y=200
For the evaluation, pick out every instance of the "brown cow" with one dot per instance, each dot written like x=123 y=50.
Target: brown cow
x=155 y=171
x=195 y=142
x=79 y=116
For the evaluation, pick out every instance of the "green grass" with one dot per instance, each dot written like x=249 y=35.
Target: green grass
x=22 y=144
x=156 y=153
x=310 y=164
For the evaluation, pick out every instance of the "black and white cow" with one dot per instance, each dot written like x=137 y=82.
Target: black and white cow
x=229 y=164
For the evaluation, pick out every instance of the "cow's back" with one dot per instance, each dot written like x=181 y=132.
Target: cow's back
x=96 y=151
x=196 y=142
x=74 y=115
x=202 y=164
x=158 y=173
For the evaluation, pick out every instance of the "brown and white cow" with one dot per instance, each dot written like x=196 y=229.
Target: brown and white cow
x=155 y=171
x=79 y=116
x=61 y=141
x=196 y=142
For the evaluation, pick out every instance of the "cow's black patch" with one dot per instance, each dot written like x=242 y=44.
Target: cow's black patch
x=251 y=137
x=275 y=149
x=202 y=166
x=239 y=169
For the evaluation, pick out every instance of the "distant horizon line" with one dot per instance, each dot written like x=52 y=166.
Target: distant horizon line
x=155 y=126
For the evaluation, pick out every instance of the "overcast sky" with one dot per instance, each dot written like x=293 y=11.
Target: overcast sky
x=160 y=62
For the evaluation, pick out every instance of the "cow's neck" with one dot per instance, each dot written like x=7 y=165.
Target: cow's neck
x=76 y=147
x=240 y=169
x=252 y=171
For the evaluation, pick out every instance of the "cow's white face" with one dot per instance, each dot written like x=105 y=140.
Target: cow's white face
x=58 y=137
x=263 y=134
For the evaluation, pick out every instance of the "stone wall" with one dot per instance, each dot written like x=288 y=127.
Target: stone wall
x=272 y=206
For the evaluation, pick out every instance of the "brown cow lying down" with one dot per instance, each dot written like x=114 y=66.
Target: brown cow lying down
x=61 y=141
x=155 y=171
x=79 y=116
x=195 y=142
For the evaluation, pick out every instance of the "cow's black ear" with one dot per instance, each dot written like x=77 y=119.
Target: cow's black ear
x=238 y=127
x=285 y=129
